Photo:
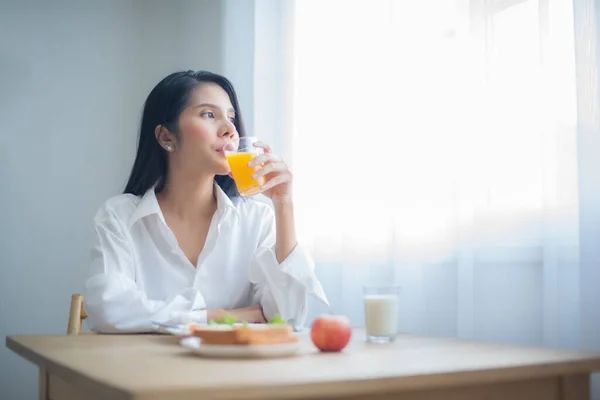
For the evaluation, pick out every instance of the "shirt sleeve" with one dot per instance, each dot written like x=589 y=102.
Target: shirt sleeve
x=113 y=300
x=283 y=288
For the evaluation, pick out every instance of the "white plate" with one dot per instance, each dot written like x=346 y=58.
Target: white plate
x=240 y=351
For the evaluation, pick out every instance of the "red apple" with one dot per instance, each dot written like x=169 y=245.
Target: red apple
x=331 y=332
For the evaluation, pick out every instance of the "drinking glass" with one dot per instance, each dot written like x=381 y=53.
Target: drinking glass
x=381 y=312
x=238 y=159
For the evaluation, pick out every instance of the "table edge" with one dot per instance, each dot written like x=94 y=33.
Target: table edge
x=585 y=365
x=103 y=390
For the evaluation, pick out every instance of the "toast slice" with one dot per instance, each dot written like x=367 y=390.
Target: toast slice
x=244 y=335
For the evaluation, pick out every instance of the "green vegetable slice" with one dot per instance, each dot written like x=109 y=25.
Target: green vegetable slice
x=224 y=320
x=277 y=320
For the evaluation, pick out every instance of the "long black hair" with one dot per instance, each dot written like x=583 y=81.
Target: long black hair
x=163 y=106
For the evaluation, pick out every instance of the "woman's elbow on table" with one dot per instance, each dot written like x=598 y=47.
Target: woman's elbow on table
x=112 y=308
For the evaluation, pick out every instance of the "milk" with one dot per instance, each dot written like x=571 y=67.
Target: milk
x=381 y=314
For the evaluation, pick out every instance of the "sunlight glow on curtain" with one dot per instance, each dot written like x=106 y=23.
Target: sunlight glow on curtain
x=434 y=145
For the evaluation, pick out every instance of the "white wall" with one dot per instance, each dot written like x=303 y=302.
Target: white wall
x=73 y=79
x=238 y=54
x=256 y=37
x=272 y=73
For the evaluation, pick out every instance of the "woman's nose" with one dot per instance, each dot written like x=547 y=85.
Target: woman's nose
x=228 y=130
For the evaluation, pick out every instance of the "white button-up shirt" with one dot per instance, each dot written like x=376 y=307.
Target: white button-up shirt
x=139 y=274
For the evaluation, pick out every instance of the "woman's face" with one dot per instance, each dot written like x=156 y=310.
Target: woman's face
x=205 y=126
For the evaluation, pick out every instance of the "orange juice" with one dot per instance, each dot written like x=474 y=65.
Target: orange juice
x=242 y=173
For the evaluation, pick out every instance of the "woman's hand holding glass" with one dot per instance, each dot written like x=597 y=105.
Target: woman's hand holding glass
x=255 y=169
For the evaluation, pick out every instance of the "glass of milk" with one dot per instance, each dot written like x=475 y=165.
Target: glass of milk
x=381 y=312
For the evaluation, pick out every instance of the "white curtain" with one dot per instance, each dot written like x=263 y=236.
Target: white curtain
x=434 y=145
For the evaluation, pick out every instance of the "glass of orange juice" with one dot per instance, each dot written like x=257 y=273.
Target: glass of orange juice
x=238 y=160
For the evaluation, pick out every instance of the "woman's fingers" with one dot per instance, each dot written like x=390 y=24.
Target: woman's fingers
x=270 y=168
x=263 y=159
x=263 y=146
x=277 y=180
x=273 y=168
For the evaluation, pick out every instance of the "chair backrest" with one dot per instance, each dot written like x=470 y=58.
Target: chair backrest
x=76 y=315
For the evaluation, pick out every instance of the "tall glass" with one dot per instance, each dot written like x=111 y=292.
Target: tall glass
x=238 y=159
x=381 y=312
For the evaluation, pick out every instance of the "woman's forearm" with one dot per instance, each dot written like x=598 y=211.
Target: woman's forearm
x=285 y=230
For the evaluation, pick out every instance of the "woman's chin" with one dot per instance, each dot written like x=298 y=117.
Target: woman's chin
x=223 y=169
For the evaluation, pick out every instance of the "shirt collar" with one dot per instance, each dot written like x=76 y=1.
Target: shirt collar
x=149 y=206
x=224 y=203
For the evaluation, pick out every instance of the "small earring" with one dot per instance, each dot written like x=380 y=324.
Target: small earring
x=169 y=147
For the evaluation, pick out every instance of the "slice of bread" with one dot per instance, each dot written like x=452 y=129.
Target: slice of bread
x=244 y=335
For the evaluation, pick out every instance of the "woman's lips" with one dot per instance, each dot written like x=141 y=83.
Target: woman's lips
x=227 y=146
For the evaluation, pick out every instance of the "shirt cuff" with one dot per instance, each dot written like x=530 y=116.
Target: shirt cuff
x=184 y=317
x=197 y=313
x=298 y=265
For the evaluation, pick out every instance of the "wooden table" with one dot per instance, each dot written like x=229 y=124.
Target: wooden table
x=156 y=367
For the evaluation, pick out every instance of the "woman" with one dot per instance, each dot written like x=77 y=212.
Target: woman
x=181 y=244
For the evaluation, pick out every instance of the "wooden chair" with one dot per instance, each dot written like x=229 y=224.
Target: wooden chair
x=76 y=315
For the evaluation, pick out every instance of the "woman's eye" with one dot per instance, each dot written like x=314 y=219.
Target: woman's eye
x=208 y=114
x=232 y=119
